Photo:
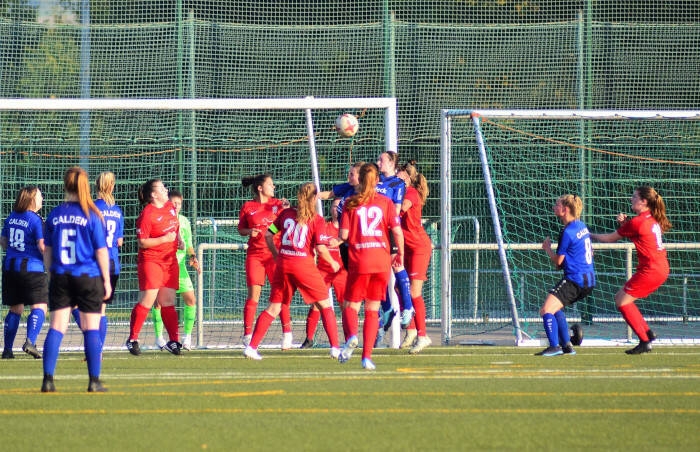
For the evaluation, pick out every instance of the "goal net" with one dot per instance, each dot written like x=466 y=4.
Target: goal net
x=202 y=147
x=528 y=159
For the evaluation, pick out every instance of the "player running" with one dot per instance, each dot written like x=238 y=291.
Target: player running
x=303 y=231
x=645 y=231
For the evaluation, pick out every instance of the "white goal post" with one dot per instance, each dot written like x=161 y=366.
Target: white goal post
x=448 y=116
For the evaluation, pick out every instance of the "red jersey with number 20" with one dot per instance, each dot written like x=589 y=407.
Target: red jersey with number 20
x=296 y=252
x=368 y=227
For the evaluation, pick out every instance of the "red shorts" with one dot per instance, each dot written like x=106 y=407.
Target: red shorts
x=366 y=286
x=257 y=267
x=309 y=284
x=338 y=281
x=277 y=293
x=644 y=282
x=416 y=264
x=157 y=275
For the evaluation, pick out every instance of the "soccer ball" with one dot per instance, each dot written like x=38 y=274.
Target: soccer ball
x=346 y=125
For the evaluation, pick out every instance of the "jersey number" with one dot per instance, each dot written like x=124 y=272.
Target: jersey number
x=589 y=250
x=370 y=218
x=294 y=234
x=68 y=246
x=111 y=229
x=17 y=239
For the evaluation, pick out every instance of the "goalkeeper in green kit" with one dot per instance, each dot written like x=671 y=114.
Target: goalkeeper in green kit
x=184 y=257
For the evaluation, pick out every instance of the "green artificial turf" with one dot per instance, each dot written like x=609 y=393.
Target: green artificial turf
x=446 y=398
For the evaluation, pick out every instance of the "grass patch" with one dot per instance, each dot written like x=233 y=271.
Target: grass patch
x=446 y=398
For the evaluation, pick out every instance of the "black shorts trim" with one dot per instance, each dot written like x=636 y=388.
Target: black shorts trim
x=85 y=292
x=568 y=292
x=25 y=288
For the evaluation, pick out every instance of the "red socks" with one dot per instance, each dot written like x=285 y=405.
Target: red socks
x=286 y=318
x=369 y=332
x=630 y=312
x=261 y=327
x=249 y=310
x=419 y=316
x=312 y=319
x=330 y=325
x=170 y=322
x=138 y=315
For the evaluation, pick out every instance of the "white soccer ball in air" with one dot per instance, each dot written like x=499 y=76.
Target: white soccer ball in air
x=346 y=125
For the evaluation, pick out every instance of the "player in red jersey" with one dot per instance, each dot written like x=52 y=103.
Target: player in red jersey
x=254 y=218
x=418 y=249
x=333 y=279
x=303 y=232
x=645 y=231
x=157 y=231
x=367 y=219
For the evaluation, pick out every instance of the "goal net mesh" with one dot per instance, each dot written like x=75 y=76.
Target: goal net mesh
x=534 y=161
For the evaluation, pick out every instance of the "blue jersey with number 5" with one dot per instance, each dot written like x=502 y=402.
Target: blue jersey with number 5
x=114 y=230
x=23 y=230
x=74 y=239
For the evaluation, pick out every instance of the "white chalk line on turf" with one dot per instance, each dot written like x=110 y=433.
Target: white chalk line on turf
x=362 y=411
x=407 y=373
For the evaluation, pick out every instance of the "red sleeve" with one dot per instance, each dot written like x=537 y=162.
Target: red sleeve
x=243 y=218
x=143 y=223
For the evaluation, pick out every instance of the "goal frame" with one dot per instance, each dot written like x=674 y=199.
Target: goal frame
x=446 y=117
x=304 y=105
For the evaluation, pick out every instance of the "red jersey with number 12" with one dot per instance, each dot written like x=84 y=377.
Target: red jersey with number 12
x=368 y=228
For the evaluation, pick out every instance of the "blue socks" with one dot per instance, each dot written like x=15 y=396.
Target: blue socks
x=93 y=352
x=76 y=316
x=103 y=329
x=551 y=329
x=51 y=347
x=403 y=283
x=34 y=323
x=563 y=325
x=11 y=327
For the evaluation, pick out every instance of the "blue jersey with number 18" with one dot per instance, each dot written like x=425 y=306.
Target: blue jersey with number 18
x=22 y=232
x=74 y=238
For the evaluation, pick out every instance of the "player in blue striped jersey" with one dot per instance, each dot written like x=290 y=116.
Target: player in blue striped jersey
x=114 y=235
x=393 y=187
x=78 y=262
x=23 y=278
x=574 y=255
